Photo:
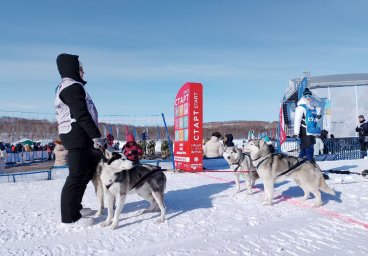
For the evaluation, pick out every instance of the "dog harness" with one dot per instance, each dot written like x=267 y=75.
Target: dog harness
x=108 y=186
x=293 y=167
x=63 y=115
x=150 y=172
x=239 y=163
x=299 y=163
x=148 y=168
x=259 y=164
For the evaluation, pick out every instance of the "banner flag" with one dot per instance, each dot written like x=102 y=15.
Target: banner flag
x=303 y=84
x=282 y=126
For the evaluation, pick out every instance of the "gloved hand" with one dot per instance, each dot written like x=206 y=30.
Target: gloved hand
x=98 y=143
x=295 y=136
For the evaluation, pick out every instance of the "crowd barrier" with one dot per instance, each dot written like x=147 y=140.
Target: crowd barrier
x=34 y=175
x=25 y=157
x=52 y=172
x=334 y=149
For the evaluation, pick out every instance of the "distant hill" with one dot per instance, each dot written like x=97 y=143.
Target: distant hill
x=13 y=129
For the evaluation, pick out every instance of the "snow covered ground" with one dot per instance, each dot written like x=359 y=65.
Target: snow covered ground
x=204 y=218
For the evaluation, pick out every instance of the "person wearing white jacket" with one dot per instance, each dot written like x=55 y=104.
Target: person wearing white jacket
x=305 y=124
x=213 y=147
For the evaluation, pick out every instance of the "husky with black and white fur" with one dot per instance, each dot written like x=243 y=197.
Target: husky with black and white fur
x=116 y=177
x=273 y=168
x=242 y=165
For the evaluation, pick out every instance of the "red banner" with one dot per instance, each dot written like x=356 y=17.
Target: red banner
x=282 y=126
x=188 y=126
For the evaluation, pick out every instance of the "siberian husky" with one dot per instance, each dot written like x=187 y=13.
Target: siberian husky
x=241 y=164
x=117 y=176
x=276 y=167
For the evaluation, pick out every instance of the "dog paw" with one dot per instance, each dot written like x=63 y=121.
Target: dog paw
x=114 y=225
x=268 y=203
x=106 y=223
x=159 y=221
x=317 y=205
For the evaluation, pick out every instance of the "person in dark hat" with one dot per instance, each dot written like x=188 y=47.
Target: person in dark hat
x=77 y=120
x=305 y=124
x=362 y=130
x=228 y=141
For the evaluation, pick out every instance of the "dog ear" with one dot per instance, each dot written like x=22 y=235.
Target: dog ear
x=261 y=143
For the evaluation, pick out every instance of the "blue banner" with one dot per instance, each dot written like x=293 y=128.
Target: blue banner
x=303 y=84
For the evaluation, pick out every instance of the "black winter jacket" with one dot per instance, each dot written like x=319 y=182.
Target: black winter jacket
x=74 y=96
x=362 y=129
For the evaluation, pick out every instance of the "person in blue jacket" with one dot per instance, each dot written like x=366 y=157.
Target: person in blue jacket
x=305 y=124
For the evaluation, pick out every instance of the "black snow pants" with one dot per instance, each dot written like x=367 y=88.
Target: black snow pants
x=82 y=166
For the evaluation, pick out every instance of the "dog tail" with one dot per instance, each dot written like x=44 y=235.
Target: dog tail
x=325 y=188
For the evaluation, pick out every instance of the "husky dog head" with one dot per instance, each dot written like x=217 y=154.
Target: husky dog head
x=232 y=155
x=112 y=164
x=116 y=161
x=258 y=148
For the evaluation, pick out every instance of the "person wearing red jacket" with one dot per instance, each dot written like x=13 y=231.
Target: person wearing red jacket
x=132 y=150
x=110 y=140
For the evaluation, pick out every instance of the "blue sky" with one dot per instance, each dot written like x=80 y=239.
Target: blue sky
x=137 y=54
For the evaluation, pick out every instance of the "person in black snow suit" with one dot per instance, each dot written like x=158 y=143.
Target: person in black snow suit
x=77 y=120
x=362 y=130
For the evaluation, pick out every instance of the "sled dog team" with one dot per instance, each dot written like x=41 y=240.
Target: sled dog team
x=116 y=177
x=262 y=162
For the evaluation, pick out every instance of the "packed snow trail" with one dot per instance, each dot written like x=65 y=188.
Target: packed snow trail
x=204 y=217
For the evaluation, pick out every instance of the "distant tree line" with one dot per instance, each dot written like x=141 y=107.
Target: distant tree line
x=13 y=129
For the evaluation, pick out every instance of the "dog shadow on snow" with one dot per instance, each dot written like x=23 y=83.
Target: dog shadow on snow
x=296 y=192
x=180 y=201
x=177 y=202
x=201 y=197
x=343 y=168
